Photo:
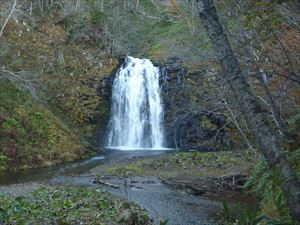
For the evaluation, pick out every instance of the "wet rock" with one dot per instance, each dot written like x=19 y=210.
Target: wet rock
x=149 y=182
x=134 y=181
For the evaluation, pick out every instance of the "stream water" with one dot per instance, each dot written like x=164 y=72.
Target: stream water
x=159 y=200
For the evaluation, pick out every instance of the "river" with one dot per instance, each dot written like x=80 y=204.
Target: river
x=159 y=200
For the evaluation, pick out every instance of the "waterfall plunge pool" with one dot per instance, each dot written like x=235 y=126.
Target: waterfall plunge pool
x=125 y=148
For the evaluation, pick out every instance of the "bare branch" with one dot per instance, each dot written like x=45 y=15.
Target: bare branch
x=8 y=17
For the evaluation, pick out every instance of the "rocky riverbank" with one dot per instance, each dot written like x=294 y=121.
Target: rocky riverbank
x=214 y=174
x=178 y=187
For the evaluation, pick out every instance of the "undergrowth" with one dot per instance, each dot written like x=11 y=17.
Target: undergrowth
x=67 y=206
x=265 y=184
x=30 y=135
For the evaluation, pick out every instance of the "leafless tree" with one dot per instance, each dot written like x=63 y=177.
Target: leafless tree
x=250 y=106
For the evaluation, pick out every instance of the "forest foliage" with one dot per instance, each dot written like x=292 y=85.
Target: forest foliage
x=55 y=57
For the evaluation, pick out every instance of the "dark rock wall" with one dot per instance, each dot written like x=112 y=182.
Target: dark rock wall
x=189 y=124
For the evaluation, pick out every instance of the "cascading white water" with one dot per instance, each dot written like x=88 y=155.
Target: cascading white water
x=137 y=112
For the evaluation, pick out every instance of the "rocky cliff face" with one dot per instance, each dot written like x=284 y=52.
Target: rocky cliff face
x=190 y=124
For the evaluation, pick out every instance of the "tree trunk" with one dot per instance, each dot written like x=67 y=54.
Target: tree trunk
x=263 y=79
x=256 y=118
x=274 y=108
x=235 y=121
x=77 y=5
x=137 y=4
x=8 y=17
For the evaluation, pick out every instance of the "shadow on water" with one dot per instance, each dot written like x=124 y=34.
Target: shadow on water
x=73 y=168
x=46 y=173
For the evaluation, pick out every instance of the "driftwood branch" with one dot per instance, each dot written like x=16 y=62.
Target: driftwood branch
x=98 y=180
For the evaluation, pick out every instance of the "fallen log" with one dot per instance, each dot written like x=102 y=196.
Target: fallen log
x=98 y=180
x=232 y=181
x=193 y=188
x=229 y=182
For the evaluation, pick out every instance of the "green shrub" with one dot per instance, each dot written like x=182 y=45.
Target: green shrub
x=3 y=162
x=265 y=184
x=66 y=206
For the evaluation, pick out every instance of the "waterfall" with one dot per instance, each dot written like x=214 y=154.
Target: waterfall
x=137 y=112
